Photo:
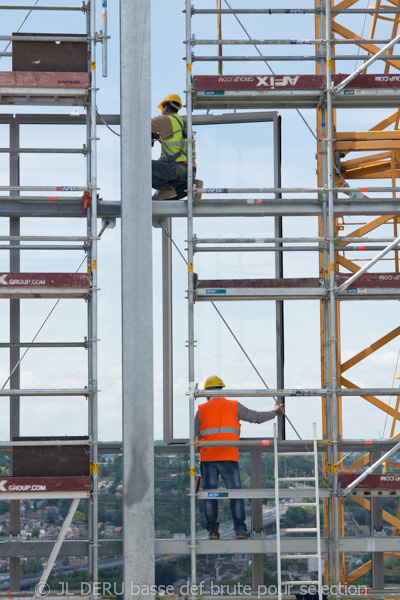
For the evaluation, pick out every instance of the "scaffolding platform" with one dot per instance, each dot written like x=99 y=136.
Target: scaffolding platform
x=292 y=91
x=35 y=488
x=371 y=286
x=44 y=285
x=44 y=88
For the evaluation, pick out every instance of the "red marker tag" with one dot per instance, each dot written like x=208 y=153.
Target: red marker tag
x=259 y=201
x=265 y=442
x=368 y=442
x=364 y=189
x=361 y=247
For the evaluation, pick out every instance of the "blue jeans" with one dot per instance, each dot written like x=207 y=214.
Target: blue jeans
x=167 y=175
x=229 y=471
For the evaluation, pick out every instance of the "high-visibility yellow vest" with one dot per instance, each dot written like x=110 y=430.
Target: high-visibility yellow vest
x=175 y=148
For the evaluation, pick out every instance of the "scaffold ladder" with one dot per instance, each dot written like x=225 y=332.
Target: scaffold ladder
x=309 y=491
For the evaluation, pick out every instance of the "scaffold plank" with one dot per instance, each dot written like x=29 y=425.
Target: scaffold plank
x=29 y=87
x=389 y=481
x=45 y=79
x=44 y=285
x=367 y=286
x=12 y=488
x=292 y=91
x=289 y=82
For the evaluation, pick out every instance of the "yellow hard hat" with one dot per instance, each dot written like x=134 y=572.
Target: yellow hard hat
x=212 y=382
x=171 y=98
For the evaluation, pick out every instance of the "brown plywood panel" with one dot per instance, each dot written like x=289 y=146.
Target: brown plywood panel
x=50 y=461
x=50 y=56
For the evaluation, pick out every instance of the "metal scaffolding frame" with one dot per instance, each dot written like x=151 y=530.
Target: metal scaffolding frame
x=326 y=95
x=326 y=201
x=74 y=286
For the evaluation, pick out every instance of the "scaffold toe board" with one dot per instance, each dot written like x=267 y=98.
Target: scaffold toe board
x=29 y=87
x=292 y=91
x=14 y=488
x=368 y=286
x=388 y=481
x=44 y=285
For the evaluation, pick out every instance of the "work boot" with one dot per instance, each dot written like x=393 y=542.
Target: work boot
x=213 y=533
x=199 y=184
x=242 y=536
x=165 y=194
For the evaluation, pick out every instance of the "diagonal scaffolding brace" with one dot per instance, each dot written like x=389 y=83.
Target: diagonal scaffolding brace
x=41 y=586
x=370 y=469
x=369 y=264
x=365 y=66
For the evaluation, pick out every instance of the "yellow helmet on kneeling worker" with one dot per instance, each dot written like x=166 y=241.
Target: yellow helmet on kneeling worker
x=172 y=99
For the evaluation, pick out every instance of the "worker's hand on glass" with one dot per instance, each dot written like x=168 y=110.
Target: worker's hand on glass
x=279 y=409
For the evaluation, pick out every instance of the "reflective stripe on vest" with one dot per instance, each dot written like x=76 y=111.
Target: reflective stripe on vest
x=174 y=148
x=219 y=430
x=218 y=422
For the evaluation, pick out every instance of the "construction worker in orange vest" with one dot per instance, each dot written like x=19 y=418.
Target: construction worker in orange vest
x=219 y=419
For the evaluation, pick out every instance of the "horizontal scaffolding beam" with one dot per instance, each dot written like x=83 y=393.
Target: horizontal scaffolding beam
x=168 y=546
x=30 y=7
x=45 y=345
x=257 y=545
x=221 y=494
x=52 y=392
x=292 y=11
x=282 y=42
x=33 y=548
x=264 y=393
x=273 y=208
x=17 y=208
x=178 y=208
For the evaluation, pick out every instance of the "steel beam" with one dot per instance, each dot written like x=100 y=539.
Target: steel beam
x=162 y=210
x=272 y=208
x=30 y=548
x=168 y=398
x=137 y=306
x=171 y=546
x=288 y=545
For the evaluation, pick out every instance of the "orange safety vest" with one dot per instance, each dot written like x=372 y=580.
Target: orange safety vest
x=218 y=421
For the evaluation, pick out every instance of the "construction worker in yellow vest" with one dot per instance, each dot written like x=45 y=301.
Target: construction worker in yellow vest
x=170 y=171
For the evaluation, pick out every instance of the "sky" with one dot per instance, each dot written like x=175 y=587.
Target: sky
x=234 y=156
